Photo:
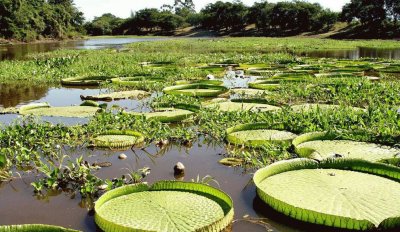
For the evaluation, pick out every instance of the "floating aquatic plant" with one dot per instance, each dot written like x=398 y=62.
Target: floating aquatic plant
x=196 y=90
x=343 y=193
x=34 y=228
x=118 y=139
x=257 y=134
x=85 y=81
x=117 y=95
x=322 y=145
x=184 y=207
x=44 y=109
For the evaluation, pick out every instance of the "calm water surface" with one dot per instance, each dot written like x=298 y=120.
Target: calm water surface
x=19 y=51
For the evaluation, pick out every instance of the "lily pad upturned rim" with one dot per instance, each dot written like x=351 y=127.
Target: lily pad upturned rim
x=244 y=105
x=85 y=81
x=264 y=85
x=356 y=165
x=175 y=90
x=255 y=126
x=39 y=109
x=323 y=136
x=135 y=80
x=320 y=106
x=34 y=227
x=168 y=115
x=207 y=191
x=100 y=144
x=116 y=95
x=206 y=82
x=44 y=109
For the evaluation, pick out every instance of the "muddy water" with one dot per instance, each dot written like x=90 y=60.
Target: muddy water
x=19 y=205
x=16 y=95
x=20 y=51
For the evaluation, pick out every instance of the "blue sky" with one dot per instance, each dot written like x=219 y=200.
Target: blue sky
x=123 y=8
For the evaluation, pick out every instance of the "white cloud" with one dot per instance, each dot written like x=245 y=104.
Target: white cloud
x=123 y=8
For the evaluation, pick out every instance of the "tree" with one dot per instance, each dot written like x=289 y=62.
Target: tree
x=107 y=24
x=224 y=15
x=368 y=12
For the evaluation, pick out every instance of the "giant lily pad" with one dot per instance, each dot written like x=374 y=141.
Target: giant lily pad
x=133 y=81
x=257 y=134
x=196 y=90
x=339 y=74
x=323 y=107
x=44 y=109
x=321 y=145
x=205 y=82
x=117 y=95
x=164 y=206
x=242 y=106
x=249 y=92
x=167 y=115
x=118 y=139
x=265 y=85
x=34 y=228
x=85 y=81
x=343 y=193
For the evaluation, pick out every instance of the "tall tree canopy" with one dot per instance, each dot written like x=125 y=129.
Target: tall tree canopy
x=29 y=20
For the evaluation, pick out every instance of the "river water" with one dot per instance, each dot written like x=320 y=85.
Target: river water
x=19 y=51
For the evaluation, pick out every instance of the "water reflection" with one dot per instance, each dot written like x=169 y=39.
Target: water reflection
x=19 y=51
x=12 y=95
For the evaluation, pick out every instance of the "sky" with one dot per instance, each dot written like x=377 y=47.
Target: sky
x=123 y=8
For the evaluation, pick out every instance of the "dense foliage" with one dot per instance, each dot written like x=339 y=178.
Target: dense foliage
x=31 y=20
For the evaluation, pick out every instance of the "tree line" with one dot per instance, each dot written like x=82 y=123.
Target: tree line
x=30 y=20
x=273 y=19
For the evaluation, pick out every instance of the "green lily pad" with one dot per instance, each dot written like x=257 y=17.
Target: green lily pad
x=264 y=85
x=44 y=109
x=164 y=206
x=34 y=228
x=196 y=90
x=242 y=106
x=343 y=193
x=118 y=139
x=232 y=162
x=339 y=74
x=323 y=107
x=167 y=115
x=321 y=145
x=205 y=82
x=85 y=81
x=117 y=95
x=133 y=81
x=257 y=134
x=249 y=92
